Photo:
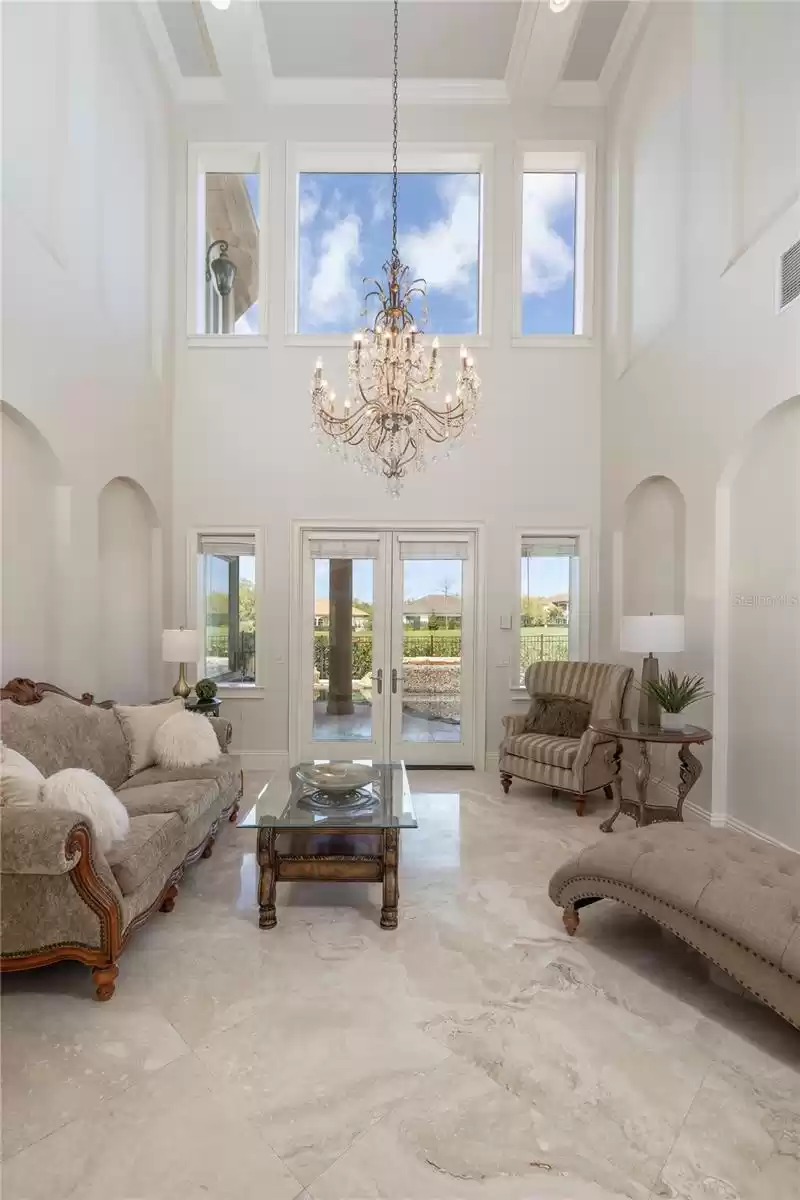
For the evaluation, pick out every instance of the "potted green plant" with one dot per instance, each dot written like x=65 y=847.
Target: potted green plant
x=206 y=691
x=674 y=695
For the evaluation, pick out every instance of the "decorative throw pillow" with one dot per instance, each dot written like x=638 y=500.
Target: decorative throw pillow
x=558 y=716
x=139 y=724
x=82 y=792
x=186 y=740
x=20 y=781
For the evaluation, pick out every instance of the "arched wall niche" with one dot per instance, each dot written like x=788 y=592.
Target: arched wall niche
x=757 y=630
x=33 y=491
x=653 y=548
x=129 y=545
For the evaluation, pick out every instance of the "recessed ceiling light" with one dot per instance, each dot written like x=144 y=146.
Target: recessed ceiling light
x=556 y=6
x=223 y=4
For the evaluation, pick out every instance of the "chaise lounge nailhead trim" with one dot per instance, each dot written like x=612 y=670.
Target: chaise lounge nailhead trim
x=572 y=889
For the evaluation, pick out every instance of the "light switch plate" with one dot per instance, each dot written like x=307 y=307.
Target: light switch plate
x=505 y=621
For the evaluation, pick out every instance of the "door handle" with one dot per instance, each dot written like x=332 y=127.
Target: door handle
x=378 y=677
x=394 y=681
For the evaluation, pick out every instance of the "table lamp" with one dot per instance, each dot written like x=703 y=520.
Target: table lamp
x=643 y=635
x=180 y=646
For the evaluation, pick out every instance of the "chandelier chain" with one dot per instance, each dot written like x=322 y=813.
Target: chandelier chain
x=392 y=412
x=395 y=255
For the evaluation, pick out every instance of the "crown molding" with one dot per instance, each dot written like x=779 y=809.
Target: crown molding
x=520 y=45
x=377 y=91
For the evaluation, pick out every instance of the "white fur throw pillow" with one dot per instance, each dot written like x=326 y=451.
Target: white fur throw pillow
x=186 y=740
x=139 y=724
x=20 y=781
x=82 y=792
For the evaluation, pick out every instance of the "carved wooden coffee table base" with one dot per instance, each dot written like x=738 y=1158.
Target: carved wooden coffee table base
x=337 y=855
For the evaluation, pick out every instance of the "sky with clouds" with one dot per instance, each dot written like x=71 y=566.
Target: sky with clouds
x=345 y=235
x=345 y=223
x=548 y=252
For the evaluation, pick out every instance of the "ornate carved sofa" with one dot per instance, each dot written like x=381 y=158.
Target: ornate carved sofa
x=62 y=898
x=574 y=765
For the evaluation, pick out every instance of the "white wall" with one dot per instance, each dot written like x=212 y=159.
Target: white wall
x=764 y=641
x=86 y=306
x=130 y=609
x=703 y=186
x=245 y=454
x=30 y=478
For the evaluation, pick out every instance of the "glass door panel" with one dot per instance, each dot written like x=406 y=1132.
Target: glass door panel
x=432 y=650
x=431 y=696
x=344 y=671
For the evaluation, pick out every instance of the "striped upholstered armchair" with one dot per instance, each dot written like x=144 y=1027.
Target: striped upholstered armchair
x=575 y=765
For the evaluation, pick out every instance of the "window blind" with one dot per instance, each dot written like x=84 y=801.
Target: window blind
x=343 y=548
x=432 y=550
x=228 y=545
x=549 y=547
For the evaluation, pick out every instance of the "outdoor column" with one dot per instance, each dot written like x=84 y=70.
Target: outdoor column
x=234 y=657
x=340 y=688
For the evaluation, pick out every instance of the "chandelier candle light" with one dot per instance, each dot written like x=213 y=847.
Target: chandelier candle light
x=392 y=409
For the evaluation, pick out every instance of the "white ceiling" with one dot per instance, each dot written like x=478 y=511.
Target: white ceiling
x=334 y=51
x=594 y=38
x=352 y=39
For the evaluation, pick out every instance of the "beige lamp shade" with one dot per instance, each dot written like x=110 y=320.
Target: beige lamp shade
x=180 y=645
x=653 y=634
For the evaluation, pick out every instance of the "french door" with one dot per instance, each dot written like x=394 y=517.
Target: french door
x=387 y=650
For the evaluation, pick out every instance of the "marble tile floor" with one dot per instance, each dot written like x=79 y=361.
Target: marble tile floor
x=475 y=1052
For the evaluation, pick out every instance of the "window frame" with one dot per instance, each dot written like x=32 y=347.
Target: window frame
x=195 y=593
x=580 y=640
x=234 y=158
x=577 y=158
x=368 y=157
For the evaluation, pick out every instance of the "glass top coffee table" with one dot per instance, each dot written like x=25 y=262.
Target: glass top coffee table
x=308 y=833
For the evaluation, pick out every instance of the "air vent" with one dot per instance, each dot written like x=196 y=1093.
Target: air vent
x=789 y=275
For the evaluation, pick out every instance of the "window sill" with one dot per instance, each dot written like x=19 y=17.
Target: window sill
x=446 y=340
x=554 y=341
x=518 y=691
x=239 y=691
x=225 y=341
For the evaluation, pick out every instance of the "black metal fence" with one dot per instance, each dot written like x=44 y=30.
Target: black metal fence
x=542 y=647
x=536 y=647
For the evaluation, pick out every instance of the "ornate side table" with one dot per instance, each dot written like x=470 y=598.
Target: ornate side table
x=691 y=768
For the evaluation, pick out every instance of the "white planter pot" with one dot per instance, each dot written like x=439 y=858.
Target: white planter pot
x=672 y=720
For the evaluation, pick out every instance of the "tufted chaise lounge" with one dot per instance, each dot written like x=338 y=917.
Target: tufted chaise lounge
x=735 y=899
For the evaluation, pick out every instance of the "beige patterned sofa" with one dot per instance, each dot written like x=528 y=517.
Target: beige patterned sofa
x=574 y=765
x=62 y=898
x=733 y=898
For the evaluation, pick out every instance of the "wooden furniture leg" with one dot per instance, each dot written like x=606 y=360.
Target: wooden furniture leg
x=642 y=779
x=580 y=805
x=168 y=903
x=391 y=854
x=267 y=878
x=233 y=816
x=616 y=790
x=105 y=981
x=571 y=920
x=208 y=849
x=691 y=770
x=506 y=781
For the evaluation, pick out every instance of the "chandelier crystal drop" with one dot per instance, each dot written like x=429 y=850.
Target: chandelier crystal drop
x=392 y=411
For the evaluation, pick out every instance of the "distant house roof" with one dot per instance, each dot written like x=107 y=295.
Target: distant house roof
x=559 y=598
x=322 y=608
x=427 y=606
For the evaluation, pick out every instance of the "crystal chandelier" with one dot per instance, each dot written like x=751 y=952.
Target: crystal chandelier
x=392 y=410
